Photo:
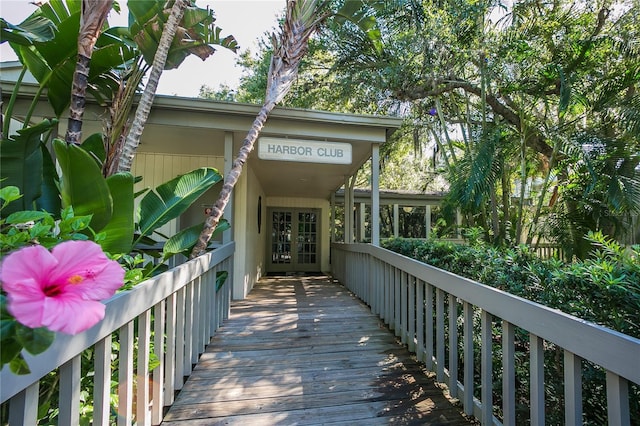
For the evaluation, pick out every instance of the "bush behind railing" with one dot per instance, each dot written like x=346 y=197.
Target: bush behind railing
x=604 y=289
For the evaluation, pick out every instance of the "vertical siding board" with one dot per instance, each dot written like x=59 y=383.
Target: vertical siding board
x=537 y=380
x=125 y=375
x=486 y=368
x=508 y=374
x=453 y=346
x=468 y=358
x=102 y=382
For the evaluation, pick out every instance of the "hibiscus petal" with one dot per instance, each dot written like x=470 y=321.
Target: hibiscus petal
x=29 y=267
x=26 y=308
x=71 y=315
x=98 y=277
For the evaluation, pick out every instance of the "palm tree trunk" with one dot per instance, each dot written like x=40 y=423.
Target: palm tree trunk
x=302 y=19
x=94 y=14
x=146 y=100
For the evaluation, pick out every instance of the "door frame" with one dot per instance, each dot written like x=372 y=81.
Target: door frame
x=294 y=266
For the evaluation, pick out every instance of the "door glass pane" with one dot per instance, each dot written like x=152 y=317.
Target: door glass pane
x=307 y=238
x=281 y=237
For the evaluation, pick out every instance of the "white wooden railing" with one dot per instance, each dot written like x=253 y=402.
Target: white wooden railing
x=174 y=315
x=410 y=296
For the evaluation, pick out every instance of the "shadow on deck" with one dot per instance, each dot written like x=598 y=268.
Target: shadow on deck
x=304 y=350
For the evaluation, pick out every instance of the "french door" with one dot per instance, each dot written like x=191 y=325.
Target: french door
x=294 y=243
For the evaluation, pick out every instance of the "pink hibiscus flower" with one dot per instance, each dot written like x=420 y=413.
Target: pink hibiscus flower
x=61 y=289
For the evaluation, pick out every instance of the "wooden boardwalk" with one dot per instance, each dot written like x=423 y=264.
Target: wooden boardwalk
x=305 y=351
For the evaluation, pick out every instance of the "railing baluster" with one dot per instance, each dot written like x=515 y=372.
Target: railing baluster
x=70 y=389
x=468 y=358
x=388 y=296
x=617 y=400
x=180 y=342
x=170 y=356
x=125 y=375
x=572 y=389
x=440 y=349
x=537 y=379
x=420 y=320
x=158 y=372
x=142 y=379
x=102 y=382
x=404 y=305
x=397 y=326
x=188 y=329
x=486 y=368
x=412 y=313
x=429 y=327
x=508 y=374
x=23 y=409
x=453 y=346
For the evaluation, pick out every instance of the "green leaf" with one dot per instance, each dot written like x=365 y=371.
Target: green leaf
x=34 y=28
x=119 y=231
x=26 y=216
x=94 y=145
x=34 y=340
x=183 y=241
x=50 y=194
x=21 y=164
x=173 y=198
x=10 y=193
x=19 y=366
x=221 y=277
x=82 y=185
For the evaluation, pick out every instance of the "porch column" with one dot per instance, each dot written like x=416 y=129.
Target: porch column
x=375 y=194
x=348 y=209
x=227 y=236
x=332 y=218
x=362 y=214
x=396 y=220
x=427 y=220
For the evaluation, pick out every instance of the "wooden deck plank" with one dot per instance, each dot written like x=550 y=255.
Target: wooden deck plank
x=304 y=351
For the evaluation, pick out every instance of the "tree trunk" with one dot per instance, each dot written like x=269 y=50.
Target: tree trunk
x=231 y=179
x=94 y=14
x=146 y=100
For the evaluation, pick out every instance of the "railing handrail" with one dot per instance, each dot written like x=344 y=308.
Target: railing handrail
x=120 y=309
x=612 y=350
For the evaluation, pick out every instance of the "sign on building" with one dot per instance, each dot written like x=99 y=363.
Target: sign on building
x=304 y=151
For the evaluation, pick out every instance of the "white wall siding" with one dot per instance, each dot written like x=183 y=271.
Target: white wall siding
x=157 y=168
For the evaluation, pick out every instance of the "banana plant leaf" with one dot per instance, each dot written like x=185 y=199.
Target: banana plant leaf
x=21 y=164
x=52 y=62
x=183 y=241
x=34 y=28
x=196 y=34
x=172 y=198
x=221 y=277
x=119 y=231
x=50 y=194
x=82 y=185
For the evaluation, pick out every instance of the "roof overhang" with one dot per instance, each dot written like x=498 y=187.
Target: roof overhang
x=191 y=126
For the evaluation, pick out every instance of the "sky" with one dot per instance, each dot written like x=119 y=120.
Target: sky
x=246 y=20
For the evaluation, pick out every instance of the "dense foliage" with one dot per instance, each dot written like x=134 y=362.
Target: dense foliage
x=526 y=112
x=605 y=289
